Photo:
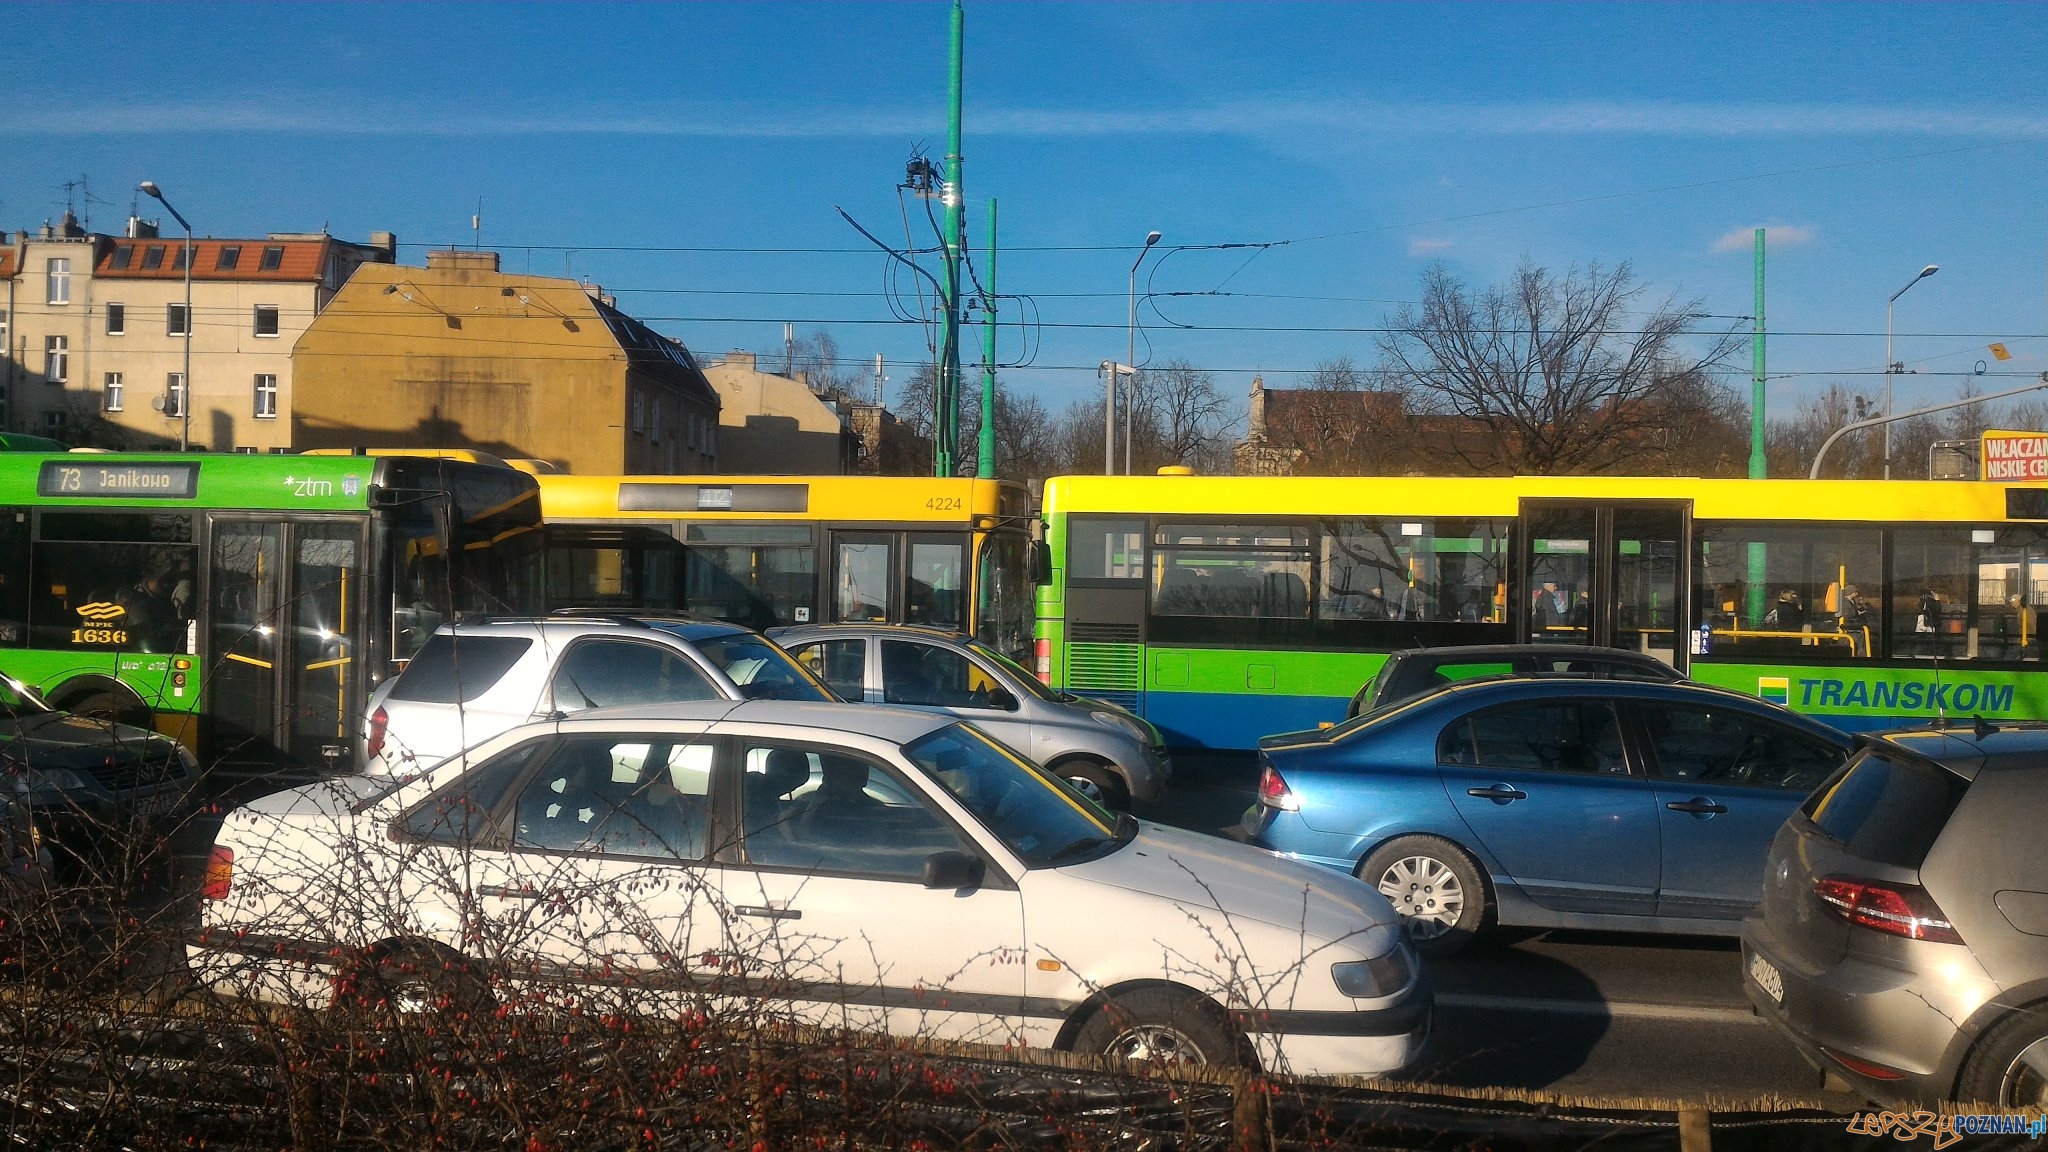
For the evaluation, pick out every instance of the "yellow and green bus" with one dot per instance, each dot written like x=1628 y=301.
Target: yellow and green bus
x=776 y=550
x=248 y=604
x=1224 y=609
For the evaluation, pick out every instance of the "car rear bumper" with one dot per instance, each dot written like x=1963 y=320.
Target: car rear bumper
x=1867 y=1011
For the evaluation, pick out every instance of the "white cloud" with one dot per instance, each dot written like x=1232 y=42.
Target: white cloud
x=1775 y=236
x=1424 y=247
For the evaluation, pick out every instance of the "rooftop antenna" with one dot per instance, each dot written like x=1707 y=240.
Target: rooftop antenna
x=476 y=224
x=77 y=192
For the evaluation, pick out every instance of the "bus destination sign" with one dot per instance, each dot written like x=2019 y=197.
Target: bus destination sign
x=148 y=481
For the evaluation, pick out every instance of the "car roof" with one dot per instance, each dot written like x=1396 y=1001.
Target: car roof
x=687 y=629
x=1484 y=653
x=1468 y=692
x=920 y=631
x=898 y=725
x=1966 y=750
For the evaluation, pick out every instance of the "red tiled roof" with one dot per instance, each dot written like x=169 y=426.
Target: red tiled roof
x=6 y=263
x=299 y=260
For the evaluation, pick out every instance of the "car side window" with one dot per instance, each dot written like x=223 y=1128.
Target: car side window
x=1575 y=736
x=927 y=674
x=826 y=811
x=619 y=795
x=458 y=813
x=841 y=664
x=601 y=673
x=1725 y=746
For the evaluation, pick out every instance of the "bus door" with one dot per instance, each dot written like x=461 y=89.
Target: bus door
x=284 y=606
x=1605 y=573
x=900 y=578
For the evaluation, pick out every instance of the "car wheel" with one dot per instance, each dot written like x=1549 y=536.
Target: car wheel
x=1166 y=1027
x=1435 y=887
x=1096 y=781
x=414 y=981
x=2009 y=1065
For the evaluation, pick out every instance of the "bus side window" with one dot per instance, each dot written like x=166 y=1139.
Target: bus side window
x=13 y=577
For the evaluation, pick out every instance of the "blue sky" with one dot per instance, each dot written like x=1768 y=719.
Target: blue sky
x=689 y=158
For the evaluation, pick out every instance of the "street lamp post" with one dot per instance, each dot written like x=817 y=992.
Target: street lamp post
x=1930 y=270
x=1131 y=344
x=149 y=188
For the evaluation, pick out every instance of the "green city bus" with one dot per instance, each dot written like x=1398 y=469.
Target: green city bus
x=247 y=604
x=1224 y=609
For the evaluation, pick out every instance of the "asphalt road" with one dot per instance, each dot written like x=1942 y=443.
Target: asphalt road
x=1580 y=1013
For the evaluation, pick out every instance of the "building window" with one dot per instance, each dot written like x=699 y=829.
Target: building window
x=230 y=255
x=117 y=319
x=185 y=251
x=152 y=257
x=177 y=321
x=54 y=424
x=654 y=419
x=266 y=320
x=273 y=257
x=266 y=396
x=57 y=359
x=57 y=281
x=110 y=396
x=636 y=405
x=174 y=394
x=123 y=256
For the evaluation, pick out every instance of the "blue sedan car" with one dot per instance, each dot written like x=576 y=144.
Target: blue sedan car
x=1553 y=803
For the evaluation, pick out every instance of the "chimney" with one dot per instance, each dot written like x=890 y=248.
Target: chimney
x=386 y=242
x=738 y=359
x=1257 y=431
x=73 y=230
x=140 y=229
x=463 y=260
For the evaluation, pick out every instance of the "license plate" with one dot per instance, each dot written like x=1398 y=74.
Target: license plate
x=1767 y=978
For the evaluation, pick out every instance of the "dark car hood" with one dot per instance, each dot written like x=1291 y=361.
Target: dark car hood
x=64 y=740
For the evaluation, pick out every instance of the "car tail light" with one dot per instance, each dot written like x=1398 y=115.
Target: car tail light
x=1041 y=650
x=380 y=721
x=1274 y=793
x=1895 y=909
x=220 y=873
x=1863 y=1067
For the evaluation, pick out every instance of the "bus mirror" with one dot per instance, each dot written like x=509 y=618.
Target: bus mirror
x=1041 y=563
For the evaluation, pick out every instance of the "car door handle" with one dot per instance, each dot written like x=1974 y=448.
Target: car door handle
x=1499 y=793
x=506 y=892
x=1698 y=806
x=766 y=913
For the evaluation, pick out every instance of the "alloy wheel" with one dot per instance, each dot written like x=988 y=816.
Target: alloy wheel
x=1426 y=892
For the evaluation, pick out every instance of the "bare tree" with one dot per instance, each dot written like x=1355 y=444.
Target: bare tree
x=1178 y=417
x=1333 y=424
x=1790 y=444
x=815 y=358
x=1557 y=372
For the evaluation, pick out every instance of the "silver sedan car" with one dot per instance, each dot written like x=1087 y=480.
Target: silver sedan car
x=1110 y=755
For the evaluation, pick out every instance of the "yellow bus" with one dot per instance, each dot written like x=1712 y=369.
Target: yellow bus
x=774 y=550
x=1224 y=609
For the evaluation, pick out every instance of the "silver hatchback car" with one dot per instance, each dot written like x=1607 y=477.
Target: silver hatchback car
x=1108 y=754
x=1902 y=943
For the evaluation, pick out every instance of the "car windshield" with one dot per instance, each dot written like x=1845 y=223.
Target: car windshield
x=762 y=671
x=1027 y=679
x=1043 y=820
x=17 y=701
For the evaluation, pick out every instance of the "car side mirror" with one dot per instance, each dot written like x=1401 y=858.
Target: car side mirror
x=1001 y=700
x=953 y=869
x=1040 y=565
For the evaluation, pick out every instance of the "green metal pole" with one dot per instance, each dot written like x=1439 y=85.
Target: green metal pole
x=1759 y=592
x=985 y=464
x=948 y=392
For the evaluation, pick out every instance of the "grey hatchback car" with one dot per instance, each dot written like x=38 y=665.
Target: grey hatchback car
x=1902 y=942
x=1108 y=754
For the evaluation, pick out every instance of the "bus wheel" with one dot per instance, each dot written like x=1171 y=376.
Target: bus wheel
x=1097 y=781
x=113 y=704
